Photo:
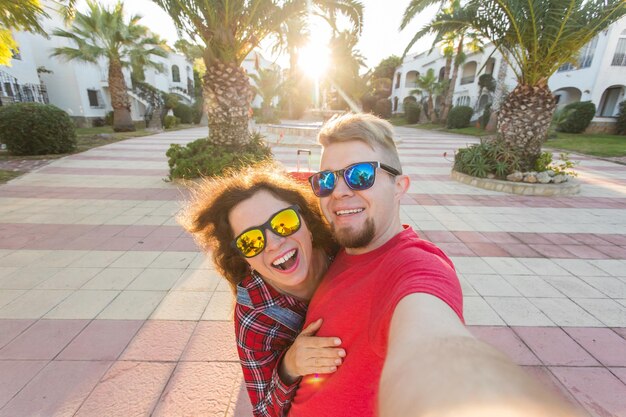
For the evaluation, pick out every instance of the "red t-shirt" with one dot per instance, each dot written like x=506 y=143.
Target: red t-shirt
x=357 y=299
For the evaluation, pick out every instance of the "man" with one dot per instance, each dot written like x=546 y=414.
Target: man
x=396 y=303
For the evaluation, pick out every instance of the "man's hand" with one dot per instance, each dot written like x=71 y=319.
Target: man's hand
x=310 y=354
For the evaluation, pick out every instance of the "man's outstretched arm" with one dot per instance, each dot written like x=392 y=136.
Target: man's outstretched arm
x=436 y=368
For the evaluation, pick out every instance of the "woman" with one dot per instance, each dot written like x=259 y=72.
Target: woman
x=270 y=241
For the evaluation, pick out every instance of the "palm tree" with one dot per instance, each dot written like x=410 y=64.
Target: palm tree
x=343 y=72
x=427 y=85
x=268 y=85
x=17 y=15
x=230 y=30
x=101 y=33
x=452 y=41
x=536 y=37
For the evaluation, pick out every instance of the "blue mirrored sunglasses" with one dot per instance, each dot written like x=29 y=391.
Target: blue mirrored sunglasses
x=358 y=177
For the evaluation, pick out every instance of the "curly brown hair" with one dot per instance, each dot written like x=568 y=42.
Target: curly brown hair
x=205 y=215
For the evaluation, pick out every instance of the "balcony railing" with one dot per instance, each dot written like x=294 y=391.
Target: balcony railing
x=11 y=91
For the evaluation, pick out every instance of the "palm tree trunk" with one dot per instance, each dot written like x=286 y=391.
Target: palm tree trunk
x=524 y=119
x=227 y=93
x=498 y=95
x=447 y=104
x=122 y=120
x=431 y=107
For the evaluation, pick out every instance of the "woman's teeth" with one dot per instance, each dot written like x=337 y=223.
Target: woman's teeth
x=279 y=263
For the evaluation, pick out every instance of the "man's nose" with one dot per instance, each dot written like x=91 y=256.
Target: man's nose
x=341 y=188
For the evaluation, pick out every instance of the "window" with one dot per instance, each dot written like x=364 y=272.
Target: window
x=16 y=54
x=175 y=74
x=398 y=80
x=584 y=58
x=95 y=99
x=608 y=103
x=619 y=58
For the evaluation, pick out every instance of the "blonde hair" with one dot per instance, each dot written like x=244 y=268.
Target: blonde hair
x=363 y=127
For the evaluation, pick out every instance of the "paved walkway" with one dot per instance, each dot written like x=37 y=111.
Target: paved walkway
x=107 y=308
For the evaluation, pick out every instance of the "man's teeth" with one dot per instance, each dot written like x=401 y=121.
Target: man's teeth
x=351 y=211
x=285 y=258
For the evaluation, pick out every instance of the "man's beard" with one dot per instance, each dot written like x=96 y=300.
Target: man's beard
x=350 y=238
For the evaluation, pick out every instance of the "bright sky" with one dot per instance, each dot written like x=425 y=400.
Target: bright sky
x=380 y=37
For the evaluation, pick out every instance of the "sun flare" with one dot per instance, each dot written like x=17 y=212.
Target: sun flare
x=314 y=59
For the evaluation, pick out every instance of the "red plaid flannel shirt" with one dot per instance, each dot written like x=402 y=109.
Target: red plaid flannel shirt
x=266 y=324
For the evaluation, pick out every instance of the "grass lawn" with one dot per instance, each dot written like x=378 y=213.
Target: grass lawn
x=597 y=145
x=6 y=176
x=471 y=130
x=86 y=138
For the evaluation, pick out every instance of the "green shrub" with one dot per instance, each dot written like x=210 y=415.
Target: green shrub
x=368 y=101
x=621 y=119
x=36 y=129
x=411 y=112
x=170 y=122
x=486 y=158
x=203 y=158
x=383 y=108
x=108 y=118
x=578 y=117
x=459 y=117
x=184 y=113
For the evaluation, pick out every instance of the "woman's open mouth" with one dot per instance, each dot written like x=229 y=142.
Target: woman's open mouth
x=287 y=261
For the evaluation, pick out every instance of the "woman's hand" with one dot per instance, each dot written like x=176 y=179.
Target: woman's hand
x=310 y=354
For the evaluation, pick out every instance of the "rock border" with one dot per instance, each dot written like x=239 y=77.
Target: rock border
x=571 y=187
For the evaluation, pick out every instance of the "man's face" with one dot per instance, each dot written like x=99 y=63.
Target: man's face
x=360 y=220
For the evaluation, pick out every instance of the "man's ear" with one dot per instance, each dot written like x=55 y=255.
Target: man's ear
x=403 y=182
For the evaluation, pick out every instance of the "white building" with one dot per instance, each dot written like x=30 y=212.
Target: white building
x=598 y=76
x=81 y=89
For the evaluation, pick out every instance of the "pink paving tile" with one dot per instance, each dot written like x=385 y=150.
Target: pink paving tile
x=506 y=341
x=621 y=331
x=471 y=237
x=604 y=344
x=103 y=171
x=118 y=243
x=10 y=329
x=614 y=239
x=552 y=251
x=589 y=239
x=14 y=375
x=600 y=392
x=545 y=377
x=456 y=249
x=168 y=231
x=584 y=252
x=441 y=236
x=127 y=389
x=58 y=390
x=183 y=244
x=212 y=341
x=101 y=340
x=487 y=249
x=529 y=238
x=160 y=341
x=199 y=389
x=620 y=373
x=559 y=238
x=615 y=252
x=521 y=251
x=554 y=347
x=43 y=340
x=501 y=237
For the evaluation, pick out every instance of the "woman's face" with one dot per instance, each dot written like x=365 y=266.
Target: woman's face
x=285 y=261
